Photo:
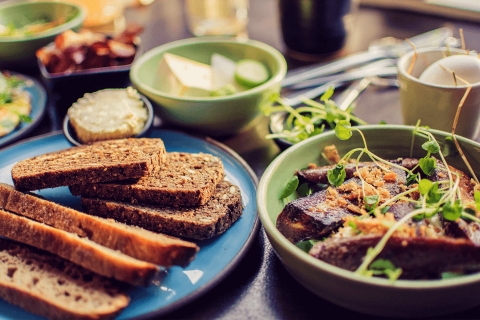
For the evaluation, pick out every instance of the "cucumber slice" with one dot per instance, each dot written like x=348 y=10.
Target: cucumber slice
x=250 y=73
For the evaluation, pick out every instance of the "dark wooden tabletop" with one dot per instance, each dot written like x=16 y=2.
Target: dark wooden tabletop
x=260 y=287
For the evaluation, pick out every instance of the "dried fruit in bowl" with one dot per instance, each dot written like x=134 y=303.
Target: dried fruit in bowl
x=74 y=51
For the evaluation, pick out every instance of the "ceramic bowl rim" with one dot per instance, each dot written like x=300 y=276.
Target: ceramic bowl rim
x=272 y=231
x=277 y=77
x=76 y=20
x=403 y=59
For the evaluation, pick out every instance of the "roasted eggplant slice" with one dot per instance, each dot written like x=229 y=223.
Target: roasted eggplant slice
x=316 y=174
x=310 y=218
x=320 y=214
x=419 y=257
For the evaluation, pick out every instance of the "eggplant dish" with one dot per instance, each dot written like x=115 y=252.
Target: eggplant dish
x=380 y=211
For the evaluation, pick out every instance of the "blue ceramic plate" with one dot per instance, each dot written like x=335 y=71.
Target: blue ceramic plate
x=217 y=257
x=39 y=100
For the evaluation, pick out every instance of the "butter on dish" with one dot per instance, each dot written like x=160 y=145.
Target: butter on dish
x=108 y=114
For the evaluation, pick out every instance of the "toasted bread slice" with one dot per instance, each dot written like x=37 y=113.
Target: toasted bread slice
x=184 y=179
x=133 y=241
x=84 y=252
x=47 y=285
x=101 y=161
x=201 y=222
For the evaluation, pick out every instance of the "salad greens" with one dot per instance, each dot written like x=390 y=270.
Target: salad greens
x=15 y=105
x=26 y=28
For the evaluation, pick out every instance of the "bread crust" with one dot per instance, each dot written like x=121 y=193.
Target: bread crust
x=184 y=179
x=101 y=161
x=133 y=241
x=199 y=223
x=47 y=285
x=86 y=253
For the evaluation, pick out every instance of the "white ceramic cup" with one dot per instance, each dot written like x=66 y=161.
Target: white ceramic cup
x=436 y=105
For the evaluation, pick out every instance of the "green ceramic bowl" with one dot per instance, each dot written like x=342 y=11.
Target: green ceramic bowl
x=19 y=51
x=374 y=296
x=214 y=116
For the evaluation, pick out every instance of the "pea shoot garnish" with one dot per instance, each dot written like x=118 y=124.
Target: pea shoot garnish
x=432 y=191
x=311 y=118
x=435 y=197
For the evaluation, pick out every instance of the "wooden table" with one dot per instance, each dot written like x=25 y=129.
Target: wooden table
x=260 y=287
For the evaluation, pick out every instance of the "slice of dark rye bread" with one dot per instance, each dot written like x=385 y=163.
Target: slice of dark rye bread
x=184 y=179
x=81 y=251
x=199 y=223
x=49 y=286
x=101 y=161
x=133 y=241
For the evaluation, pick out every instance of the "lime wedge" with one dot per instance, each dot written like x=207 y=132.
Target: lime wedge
x=250 y=73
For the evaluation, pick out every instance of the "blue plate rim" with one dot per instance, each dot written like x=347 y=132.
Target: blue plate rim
x=39 y=107
x=233 y=263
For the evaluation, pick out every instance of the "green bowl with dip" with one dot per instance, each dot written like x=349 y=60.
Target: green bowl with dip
x=368 y=295
x=18 y=50
x=211 y=115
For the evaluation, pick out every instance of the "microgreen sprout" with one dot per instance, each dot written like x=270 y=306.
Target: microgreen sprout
x=384 y=267
x=310 y=118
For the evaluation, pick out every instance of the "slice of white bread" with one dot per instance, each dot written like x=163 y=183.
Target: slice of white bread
x=84 y=252
x=49 y=286
x=133 y=241
x=184 y=179
x=101 y=161
x=201 y=222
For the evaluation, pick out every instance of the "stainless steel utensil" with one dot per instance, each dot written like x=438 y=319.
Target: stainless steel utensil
x=380 y=68
x=433 y=38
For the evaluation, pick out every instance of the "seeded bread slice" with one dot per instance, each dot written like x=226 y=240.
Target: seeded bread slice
x=101 y=161
x=202 y=222
x=184 y=179
x=84 y=252
x=133 y=241
x=50 y=286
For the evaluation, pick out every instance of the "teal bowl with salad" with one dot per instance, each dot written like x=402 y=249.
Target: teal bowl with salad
x=227 y=82
x=424 y=262
x=26 y=26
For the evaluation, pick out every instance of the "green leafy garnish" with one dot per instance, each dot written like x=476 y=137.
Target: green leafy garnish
x=306 y=245
x=371 y=202
x=290 y=187
x=337 y=175
x=427 y=165
x=24 y=118
x=304 y=190
x=431 y=146
x=449 y=148
x=352 y=224
x=452 y=211
x=451 y=275
x=476 y=197
x=385 y=267
x=309 y=119
x=343 y=130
